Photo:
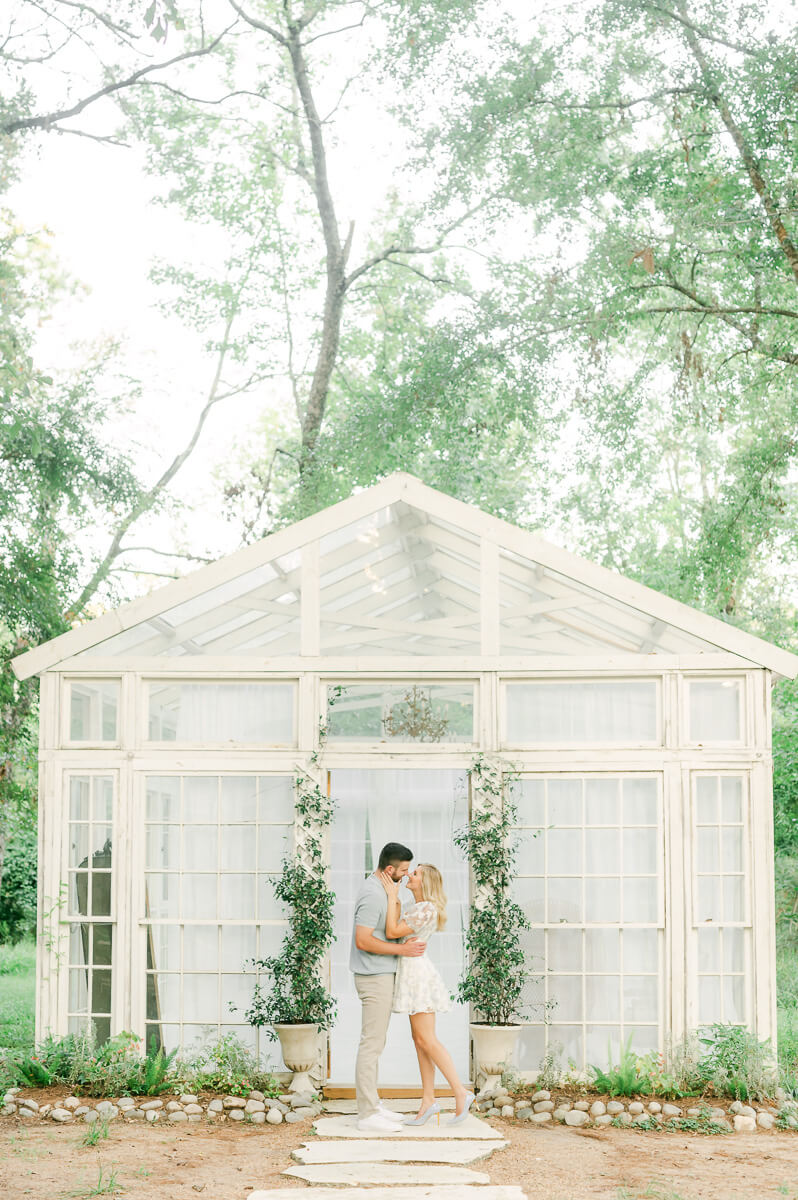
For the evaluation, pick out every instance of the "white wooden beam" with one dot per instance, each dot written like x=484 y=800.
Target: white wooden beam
x=489 y=596
x=310 y=627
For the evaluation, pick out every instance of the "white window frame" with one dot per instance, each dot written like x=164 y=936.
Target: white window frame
x=143 y=711
x=576 y=680
x=98 y=677
x=746 y=722
x=390 y=745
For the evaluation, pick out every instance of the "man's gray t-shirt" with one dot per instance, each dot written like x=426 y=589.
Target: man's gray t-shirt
x=371 y=909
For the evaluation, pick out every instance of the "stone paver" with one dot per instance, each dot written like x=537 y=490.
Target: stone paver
x=373 y=1151
x=471 y=1128
x=382 y=1173
x=400 y=1104
x=435 y=1191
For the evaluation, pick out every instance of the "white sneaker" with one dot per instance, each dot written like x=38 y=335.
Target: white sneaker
x=378 y=1124
x=388 y=1114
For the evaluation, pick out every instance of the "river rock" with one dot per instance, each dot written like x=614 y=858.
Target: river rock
x=576 y=1116
x=598 y=1108
x=149 y=1105
x=765 y=1120
x=743 y=1124
x=274 y=1116
x=614 y=1107
x=61 y=1115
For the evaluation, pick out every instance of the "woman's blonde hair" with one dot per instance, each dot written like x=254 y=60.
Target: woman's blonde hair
x=432 y=889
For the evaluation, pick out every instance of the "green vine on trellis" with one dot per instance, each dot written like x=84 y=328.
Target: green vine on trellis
x=496 y=972
x=298 y=994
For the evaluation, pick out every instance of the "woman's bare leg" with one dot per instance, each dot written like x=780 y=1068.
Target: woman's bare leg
x=427 y=1068
x=426 y=1042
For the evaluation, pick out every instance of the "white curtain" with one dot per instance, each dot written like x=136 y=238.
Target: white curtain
x=582 y=711
x=244 y=713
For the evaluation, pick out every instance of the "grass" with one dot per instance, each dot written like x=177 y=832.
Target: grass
x=654 y=1191
x=95 y=1133
x=106 y=1185
x=17 y=995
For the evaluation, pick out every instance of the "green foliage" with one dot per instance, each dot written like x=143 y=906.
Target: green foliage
x=496 y=970
x=226 y=1066
x=297 y=993
x=97 y=1132
x=17 y=988
x=785 y=784
x=627 y=1078
x=704 y=1123
x=735 y=1063
x=18 y=884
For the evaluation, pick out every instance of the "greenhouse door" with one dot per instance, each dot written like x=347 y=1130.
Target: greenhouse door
x=422 y=809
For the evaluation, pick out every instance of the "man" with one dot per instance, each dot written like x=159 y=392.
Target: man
x=373 y=961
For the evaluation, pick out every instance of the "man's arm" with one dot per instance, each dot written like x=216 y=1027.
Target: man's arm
x=365 y=940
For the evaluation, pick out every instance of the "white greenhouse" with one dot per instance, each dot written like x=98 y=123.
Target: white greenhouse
x=414 y=632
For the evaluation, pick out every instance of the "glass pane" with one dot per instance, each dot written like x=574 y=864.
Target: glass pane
x=238 y=947
x=733 y=906
x=565 y=802
x=570 y=712
x=731 y=792
x=601 y=949
x=79 y=798
x=276 y=798
x=200 y=847
x=93 y=707
x=528 y=892
x=569 y=1038
x=161 y=895
x=644 y=1037
x=732 y=848
x=163 y=798
x=79 y=944
x=239 y=845
x=201 y=798
x=237 y=896
x=198 y=896
x=102 y=1029
x=79 y=892
x=706 y=795
x=714 y=710
x=602 y=851
x=162 y=847
x=237 y=990
x=640 y=900
x=229 y=713
x=239 y=797
x=566 y=993
x=565 y=950
x=269 y=907
x=565 y=851
x=640 y=851
x=565 y=900
x=734 y=999
x=200 y=947
x=529 y=798
x=733 y=950
x=602 y=997
x=707 y=856
x=404 y=712
x=602 y=901
x=603 y=1045
x=531 y=851
x=101 y=846
x=639 y=801
x=101 y=895
x=78 y=845
x=163 y=947
x=102 y=945
x=270 y=939
x=709 y=999
x=531 y=1047
x=274 y=843
x=201 y=998
x=708 y=898
x=708 y=950
x=640 y=950
x=640 y=998
x=601 y=802
x=79 y=990
x=100 y=991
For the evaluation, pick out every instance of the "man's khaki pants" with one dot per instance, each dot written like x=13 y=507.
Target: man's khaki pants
x=376 y=998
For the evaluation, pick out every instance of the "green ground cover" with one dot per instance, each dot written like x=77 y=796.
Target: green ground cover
x=17 y=995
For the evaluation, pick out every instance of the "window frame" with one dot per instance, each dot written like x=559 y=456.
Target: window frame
x=390 y=745
x=146 y=680
x=67 y=681
x=746 y=724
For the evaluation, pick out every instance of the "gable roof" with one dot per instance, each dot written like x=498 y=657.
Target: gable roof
x=403 y=569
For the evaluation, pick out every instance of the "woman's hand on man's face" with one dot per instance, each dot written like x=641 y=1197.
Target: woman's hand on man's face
x=391 y=885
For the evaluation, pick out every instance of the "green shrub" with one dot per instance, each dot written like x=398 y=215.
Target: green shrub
x=627 y=1078
x=18 y=885
x=226 y=1066
x=735 y=1063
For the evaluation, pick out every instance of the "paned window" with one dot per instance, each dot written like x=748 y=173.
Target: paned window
x=715 y=707
x=721 y=902
x=222 y=713
x=91 y=814
x=93 y=710
x=570 y=712
x=402 y=712
x=214 y=846
x=590 y=881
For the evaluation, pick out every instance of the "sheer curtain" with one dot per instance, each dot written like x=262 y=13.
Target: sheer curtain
x=582 y=711
x=244 y=713
x=422 y=809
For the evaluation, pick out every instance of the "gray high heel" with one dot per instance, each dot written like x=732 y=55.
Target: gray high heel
x=458 y=1117
x=425 y=1116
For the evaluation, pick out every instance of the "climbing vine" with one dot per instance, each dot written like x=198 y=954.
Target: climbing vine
x=297 y=993
x=496 y=969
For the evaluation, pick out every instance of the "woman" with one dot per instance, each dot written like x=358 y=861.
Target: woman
x=419 y=989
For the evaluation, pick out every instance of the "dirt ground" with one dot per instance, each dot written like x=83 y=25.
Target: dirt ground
x=45 y=1162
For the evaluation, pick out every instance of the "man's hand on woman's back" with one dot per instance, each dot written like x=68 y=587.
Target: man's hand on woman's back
x=412 y=948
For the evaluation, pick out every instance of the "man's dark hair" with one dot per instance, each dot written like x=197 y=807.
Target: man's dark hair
x=392 y=854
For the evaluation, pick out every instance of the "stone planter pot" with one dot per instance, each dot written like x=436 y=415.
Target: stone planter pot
x=494 y=1047
x=299 y=1045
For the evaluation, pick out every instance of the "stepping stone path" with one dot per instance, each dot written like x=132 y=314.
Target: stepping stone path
x=425 y=1162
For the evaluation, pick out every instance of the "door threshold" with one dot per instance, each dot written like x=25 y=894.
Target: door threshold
x=347 y=1092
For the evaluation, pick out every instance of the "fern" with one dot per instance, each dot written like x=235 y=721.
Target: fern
x=156 y=1070
x=625 y=1079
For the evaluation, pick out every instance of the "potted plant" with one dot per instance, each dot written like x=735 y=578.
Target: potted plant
x=297 y=1005
x=496 y=967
